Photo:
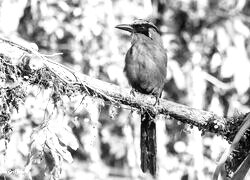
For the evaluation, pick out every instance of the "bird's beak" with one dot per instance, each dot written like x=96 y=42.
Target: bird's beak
x=126 y=27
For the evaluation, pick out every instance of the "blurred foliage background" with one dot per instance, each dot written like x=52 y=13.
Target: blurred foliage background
x=208 y=46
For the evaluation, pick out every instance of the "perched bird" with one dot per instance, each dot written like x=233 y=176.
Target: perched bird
x=145 y=68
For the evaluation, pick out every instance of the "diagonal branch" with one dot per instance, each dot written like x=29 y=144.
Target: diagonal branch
x=204 y=120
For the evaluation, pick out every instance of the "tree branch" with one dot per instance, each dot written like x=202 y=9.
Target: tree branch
x=204 y=120
x=185 y=114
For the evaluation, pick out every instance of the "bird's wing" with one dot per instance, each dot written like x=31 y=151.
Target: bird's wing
x=149 y=66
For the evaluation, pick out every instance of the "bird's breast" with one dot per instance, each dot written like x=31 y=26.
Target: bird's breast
x=145 y=67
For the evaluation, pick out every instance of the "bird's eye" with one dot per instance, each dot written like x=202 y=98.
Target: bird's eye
x=140 y=28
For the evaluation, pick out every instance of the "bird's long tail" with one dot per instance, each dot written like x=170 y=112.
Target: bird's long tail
x=148 y=144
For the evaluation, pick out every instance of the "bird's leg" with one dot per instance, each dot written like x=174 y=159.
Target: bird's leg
x=132 y=92
x=157 y=99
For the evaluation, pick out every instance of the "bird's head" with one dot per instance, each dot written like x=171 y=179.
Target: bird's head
x=139 y=26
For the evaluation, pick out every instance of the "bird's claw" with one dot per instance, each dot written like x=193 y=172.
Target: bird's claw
x=157 y=102
x=132 y=92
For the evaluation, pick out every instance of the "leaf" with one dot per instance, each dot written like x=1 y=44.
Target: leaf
x=38 y=139
x=63 y=133
x=45 y=138
x=56 y=148
x=49 y=159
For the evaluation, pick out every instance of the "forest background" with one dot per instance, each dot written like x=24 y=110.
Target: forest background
x=208 y=47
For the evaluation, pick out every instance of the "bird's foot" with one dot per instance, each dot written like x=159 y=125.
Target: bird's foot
x=132 y=92
x=157 y=101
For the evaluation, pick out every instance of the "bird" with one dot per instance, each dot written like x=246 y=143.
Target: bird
x=146 y=69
